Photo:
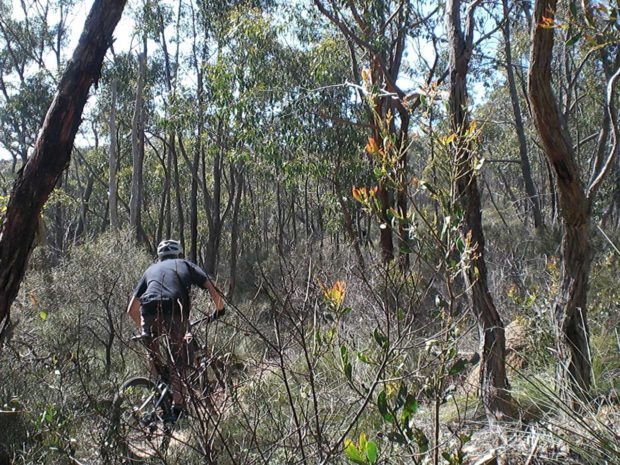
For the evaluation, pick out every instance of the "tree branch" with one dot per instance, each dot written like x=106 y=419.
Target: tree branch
x=611 y=109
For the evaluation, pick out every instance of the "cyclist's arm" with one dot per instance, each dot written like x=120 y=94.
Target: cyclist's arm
x=133 y=309
x=215 y=295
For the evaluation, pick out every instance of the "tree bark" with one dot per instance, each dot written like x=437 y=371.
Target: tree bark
x=494 y=387
x=239 y=182
x=113 y=162
x=570 y=310
x=52 y=151
x=137 y=150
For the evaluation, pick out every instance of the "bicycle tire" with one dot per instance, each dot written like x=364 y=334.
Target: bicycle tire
x=138 y=430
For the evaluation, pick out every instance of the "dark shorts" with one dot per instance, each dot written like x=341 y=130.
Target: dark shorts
x=167 y=318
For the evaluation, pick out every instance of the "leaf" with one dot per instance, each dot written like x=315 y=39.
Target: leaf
x=43 y=315
x=346 y=364
x=573 y=40
x=429 y=188
x=352 y=453
x=380 y=338
x=449 y=139
x=472 y=128
x=401 y=397
x=410 y=407
x=460 y=245
x=364 y=358
x=547 y=22
x=335 y=294
x=421 y=440
x=366 y=76
x=371 y=452
x=458 y=367
x=372 y=147
x=363 y=441
x=383 y=407
x=573 y=9
x=397 y=437
x=317 y=337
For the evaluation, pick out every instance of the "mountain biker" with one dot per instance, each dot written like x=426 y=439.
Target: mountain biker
x=160 y=305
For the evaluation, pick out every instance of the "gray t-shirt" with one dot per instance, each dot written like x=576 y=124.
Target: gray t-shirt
x=170 y=279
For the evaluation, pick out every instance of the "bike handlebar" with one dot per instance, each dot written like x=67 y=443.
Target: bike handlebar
x=209 y=319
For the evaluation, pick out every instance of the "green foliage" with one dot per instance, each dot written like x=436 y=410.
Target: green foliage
x=260 y=101
x=365 y=452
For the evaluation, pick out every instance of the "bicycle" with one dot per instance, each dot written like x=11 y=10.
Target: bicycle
x=142 y=419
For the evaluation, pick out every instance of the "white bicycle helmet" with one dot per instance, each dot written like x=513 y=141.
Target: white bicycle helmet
x=169 y=248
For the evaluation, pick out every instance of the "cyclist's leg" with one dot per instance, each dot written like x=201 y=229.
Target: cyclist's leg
x=152 y=330
x=181 y=352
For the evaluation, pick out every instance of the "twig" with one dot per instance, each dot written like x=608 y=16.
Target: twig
x=75 y=460
x=613 y=152
x=608 y=240
x=533 y=451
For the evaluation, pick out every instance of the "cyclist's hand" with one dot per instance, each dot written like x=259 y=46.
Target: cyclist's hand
x=217 y=314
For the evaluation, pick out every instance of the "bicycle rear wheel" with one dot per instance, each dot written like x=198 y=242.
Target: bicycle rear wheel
x=140 y=432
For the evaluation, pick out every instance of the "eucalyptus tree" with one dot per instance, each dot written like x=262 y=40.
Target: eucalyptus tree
x=510 y=65
x=494 y=386
x=376 y=34
x=112 y=116
x=32 y=48
x=328 y=129
x=52 y=150
x=576 y=196
x=198 y=115
x=169 y=23
x=113 y=159
x=137 y=149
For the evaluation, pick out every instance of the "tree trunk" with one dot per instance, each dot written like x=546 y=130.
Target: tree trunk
x=52 y=150
x=137 y=150
x=494 y=387
x=214 y=207
x=82 y=227
x=570 y=310
x=113 y=162
x=178 y=192
x=234 y=231
x=163 y=203
x=526 y=170
x=198 y=154
x=193 y=200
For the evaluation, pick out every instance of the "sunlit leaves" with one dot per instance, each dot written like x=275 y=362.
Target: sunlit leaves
x=365 y=452
x=547 y=22
x=372 y=148
x=335 y=294
x=4 y=200
x=362 y=194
